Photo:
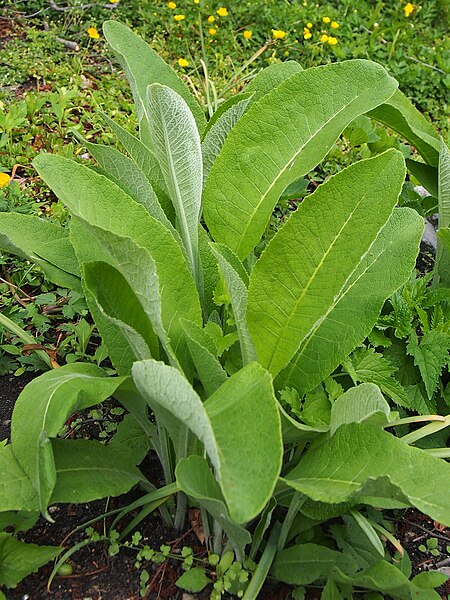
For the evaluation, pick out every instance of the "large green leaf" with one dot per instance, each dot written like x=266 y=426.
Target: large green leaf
x=89 y=249
x=363 y=461
x=45 y=243
x=51 y=399
x=389 y=579
x=88 y=470
x=145 y=160
x=194 y=478
x=269 y=78
x=19 y=559
x=16 y=491
x=305 y=563
x=352 y=315
x=143 y=66
x=130 y=177
x=118 y=302
x=280 y=139
x=239 y=426
x=305 y=267
x=177 y=147
x=363 y=403
x=95 y=199
x=400 y=114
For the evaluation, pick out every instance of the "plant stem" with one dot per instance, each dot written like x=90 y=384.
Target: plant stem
x=25 y=337
x=417 y=419
x=297 y=500
x=217 y=538
x=422 y=432
x=180 y=515
x=260 y=574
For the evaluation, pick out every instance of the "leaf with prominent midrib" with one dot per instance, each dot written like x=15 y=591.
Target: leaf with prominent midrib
x=51 y=399
x=128 y=176
x=351 y=317
x=306 y=265
x=239 y=426
x=177 y=147
x=101 y=204
x=400 y=114
x=362 y=461
x=281 y=138
x=118 y=302
x=88 y=470
x=45 y=243
x=143 y=66
x=16 y=491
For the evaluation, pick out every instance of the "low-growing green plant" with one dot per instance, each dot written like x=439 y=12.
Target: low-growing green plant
x=216 y=337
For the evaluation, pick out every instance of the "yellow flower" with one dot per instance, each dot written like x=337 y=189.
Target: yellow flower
x=334 y=25
x=248 y=34
x=171 y=5
x=309 y=25
x=93 y=33
x=222 y=12
x=196 y=1
x=326 y=19
x=113 y=1
x=332 y=41
x=212 y=31
x=307 y=35
x=408 y=8
x=183 y=62
x=211 y=19
x=179 y=17
x=324 y=38
x=278 y=34
x=4 y=179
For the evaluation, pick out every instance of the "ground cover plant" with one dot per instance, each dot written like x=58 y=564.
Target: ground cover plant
x=247 y=353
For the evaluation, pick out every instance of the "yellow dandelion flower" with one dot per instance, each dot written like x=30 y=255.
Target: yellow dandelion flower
x=306 y=30
x=278 y=34
x=222 y=12
x=326 y=19
x=93 y=33
x=334 y=24
x=183 y=62
x=172 y=5
x=211 y=19
x=307 y=35
x=212 y=31
x=4 y=179
x=248 y=34
x=408 y=8
x=113 y=1
x=324 y=38
x=179 y=17
x=196 y=1
x=309 y=25
x=332 y=41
